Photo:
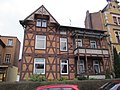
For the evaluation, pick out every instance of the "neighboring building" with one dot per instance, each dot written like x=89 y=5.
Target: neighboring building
x=9 y=56
x=107 y=19
x=61 y=51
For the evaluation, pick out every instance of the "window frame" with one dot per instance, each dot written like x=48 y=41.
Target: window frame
x=39 y=63
x=63 y=32
x=117 y=39
x=41 y=23
x=7 y=58
x=63 y=40
x=78 y=66
x=119 y=53
x=78 y=43
x=38 y=40
x=62 y=63
x=94 y=64
x=91 y=44
x=117 y=17
x=10 y=42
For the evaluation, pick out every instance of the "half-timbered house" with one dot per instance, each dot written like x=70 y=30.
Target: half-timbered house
x=61 y=51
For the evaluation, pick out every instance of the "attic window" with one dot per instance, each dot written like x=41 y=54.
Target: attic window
x=62 y=32
x=41 y=23
x=113 y=6
x=116 y=19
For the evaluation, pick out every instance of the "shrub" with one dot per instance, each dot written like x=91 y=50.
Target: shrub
x=75 y=79
x=107 y=74
x=82 y=78
x=92 y=78
x=37 y=77
x=62 y=79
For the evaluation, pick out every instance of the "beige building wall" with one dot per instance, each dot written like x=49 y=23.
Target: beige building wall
x=12 y=74
x=105 y=18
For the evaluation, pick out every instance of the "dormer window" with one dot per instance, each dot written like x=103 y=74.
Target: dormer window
x=63 y=32
x=41 y=23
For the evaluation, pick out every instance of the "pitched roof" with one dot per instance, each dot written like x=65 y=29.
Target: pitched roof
x=109 y=5
x=43 y=11
x=1 y=43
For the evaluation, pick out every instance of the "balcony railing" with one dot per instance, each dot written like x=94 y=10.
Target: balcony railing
x=91 y=51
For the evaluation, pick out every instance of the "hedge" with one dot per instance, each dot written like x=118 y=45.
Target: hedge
x=29 y=85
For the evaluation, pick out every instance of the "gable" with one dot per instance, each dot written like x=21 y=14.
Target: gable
x=112 y=4
x=42 y=11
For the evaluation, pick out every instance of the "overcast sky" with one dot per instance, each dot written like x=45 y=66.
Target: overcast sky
x=11 y=11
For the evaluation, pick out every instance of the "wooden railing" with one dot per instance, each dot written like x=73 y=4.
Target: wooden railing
x=91 y=51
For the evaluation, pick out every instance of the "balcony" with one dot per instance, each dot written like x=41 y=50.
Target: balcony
x=91 y=51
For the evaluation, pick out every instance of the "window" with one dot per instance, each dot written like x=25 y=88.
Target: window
x=117 y=35
x=7 y=58
x=41 y=23
x=67 y=88
x=61 y=88
x=80 y=67
x=64 y=66
x=116 y=19
x=118 y=87
x=40 y=42
x=44 y=23
x=39 y=66
x=79 y=43
x=96 y=67
x=63 y=44
x=52 y=89
x=119 y=53
x=63 y=32
x=10 y=42
x=93 y=44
